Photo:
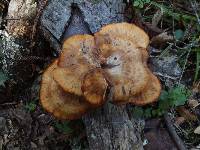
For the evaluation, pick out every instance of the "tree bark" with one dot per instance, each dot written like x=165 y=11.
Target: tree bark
x=110 y=128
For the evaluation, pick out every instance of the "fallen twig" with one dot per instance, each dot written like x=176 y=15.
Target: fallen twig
x=184 y=67
x=8 y=104
x=165 y=76
x=179 y=143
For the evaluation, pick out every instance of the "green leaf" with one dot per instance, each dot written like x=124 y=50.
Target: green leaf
x=163 y=95
x=180 y=101
x=176 y=15
x=178 y=96
x=136 y=3
x=31 y=106
x=160 y=112
x=178 y=34
x=141 y=5
x=174 y=97
x=164 y=105
x=147 y=112
x=138 y=112
x=64 y=127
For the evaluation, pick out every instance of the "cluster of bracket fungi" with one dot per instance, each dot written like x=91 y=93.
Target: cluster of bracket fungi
x=90 y=66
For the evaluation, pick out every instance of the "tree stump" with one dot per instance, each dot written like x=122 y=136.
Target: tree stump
x=109 y=127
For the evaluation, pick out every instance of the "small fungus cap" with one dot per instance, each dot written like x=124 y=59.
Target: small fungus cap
x=94 y=87
x=129 y=31
x=78 y=58
x=120 y=37
x=55 y=100
x=124 y=63
x=150 y=94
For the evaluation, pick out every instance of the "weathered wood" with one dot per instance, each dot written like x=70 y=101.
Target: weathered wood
x=97 y=13
x=109 y=127
x=20 y=18
x=15 y=42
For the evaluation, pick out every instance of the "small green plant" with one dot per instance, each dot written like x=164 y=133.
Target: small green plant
x=197 y=64
x=30 y=106
x=140 y=3
x=174 y=97
x=64 y=127
x=177 y=15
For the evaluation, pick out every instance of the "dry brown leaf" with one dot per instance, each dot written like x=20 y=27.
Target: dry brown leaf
x=179 y=121
x=157 y=17
x=192 y=103
x=161 y=39
x=197 y=130
x=189 y=116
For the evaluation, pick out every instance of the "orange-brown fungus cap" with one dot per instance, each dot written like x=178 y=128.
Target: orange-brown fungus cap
x=70 y=78
x=94 y=87
x=128 y=75
x=124 y=64
x=126 y=30
x=150 y=93
x=131 y=40
x=61 y=104
x=77 y=58
x=106 y=42
x=79 y=50
x=89 y=65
